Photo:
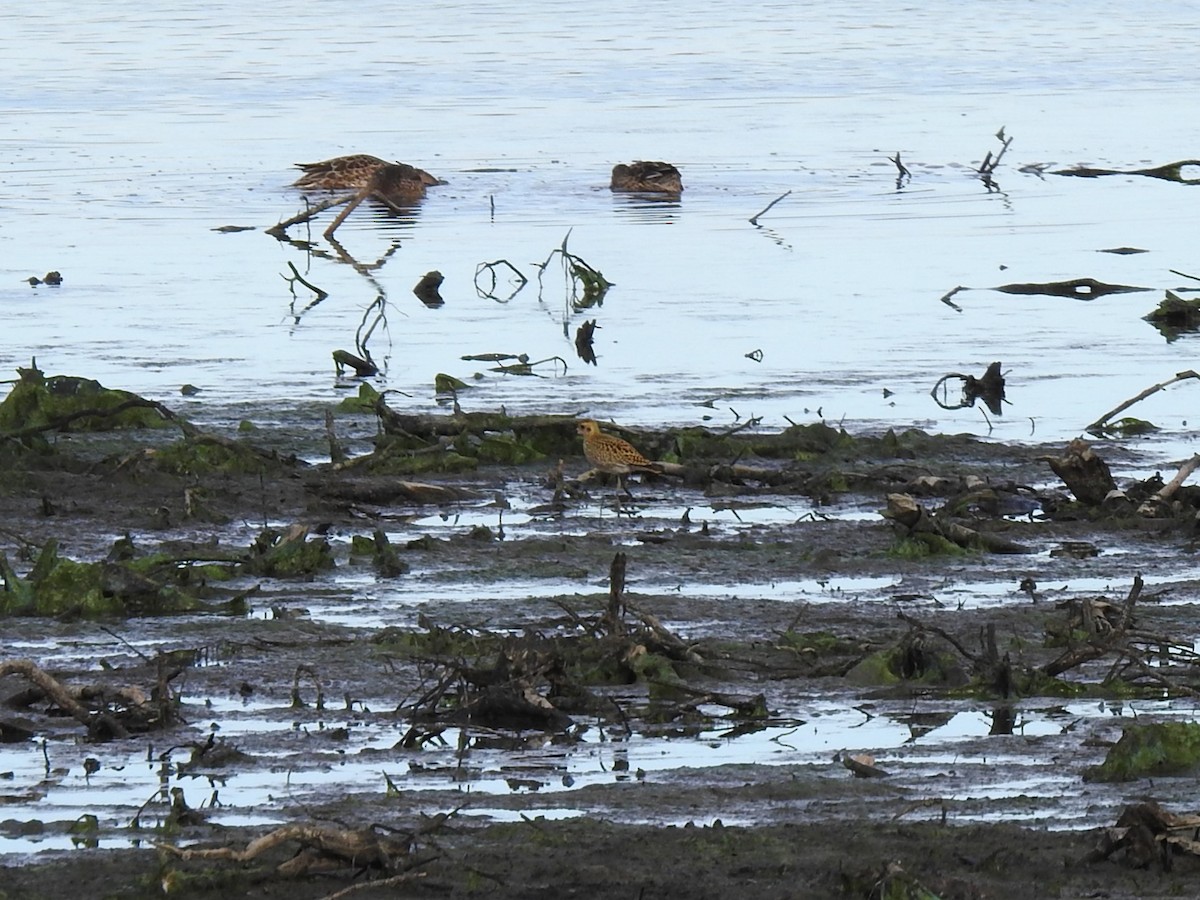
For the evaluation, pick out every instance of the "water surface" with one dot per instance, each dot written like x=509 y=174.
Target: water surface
x=118 y=165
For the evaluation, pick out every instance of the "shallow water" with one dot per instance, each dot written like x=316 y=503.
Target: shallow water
x=312 y=753
x=118 y=166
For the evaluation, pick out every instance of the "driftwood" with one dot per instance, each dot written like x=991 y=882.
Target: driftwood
x=1137 y=656
x=1085 y=474
x=381 y=491
x=531 y=681
x=427 y=291
x=990 y=163
x=1160 y=502
x=363 y=368
x=989 y=388
x=584 y=335
x=1168 y=172
x=1146 y=834
x=917 y=523
x=580 y=275
x=1107 y=634
x=903 y=176
x=988 y=666
x=490 y=267
x=100 y=725
x=279 y=231
x=322 y=849
x=1079 y=288
x=1097 y=427
x=1174 y=316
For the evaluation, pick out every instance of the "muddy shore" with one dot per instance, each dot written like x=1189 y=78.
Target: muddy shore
x=785 y=825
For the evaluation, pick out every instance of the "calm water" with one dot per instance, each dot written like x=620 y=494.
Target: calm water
x=125 y=145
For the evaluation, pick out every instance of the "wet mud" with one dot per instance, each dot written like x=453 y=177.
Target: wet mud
x=667 y=781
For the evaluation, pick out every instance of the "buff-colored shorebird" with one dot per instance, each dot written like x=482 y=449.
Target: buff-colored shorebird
x=357 y=171
x=613 y=455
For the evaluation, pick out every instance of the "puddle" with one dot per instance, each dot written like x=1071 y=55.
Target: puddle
x=952 y=744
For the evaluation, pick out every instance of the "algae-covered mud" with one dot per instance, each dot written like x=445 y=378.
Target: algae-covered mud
x=460 y=661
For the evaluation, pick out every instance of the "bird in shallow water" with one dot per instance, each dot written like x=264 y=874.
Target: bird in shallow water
x=613 y=455
x=656 y=177
x=357 y=171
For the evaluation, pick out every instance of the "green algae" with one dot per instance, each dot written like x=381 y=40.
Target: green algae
x=38 y=404
x=1156 y=749
x=114 y=587
x=363 y=402
x=290 y=554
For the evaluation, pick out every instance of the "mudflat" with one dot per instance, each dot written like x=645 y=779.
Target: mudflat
x=651 y=632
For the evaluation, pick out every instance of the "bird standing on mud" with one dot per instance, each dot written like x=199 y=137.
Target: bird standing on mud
x=613 y=455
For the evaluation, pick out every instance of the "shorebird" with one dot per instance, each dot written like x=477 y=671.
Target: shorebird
x=357 y=171
x=613 y=455
x=658 y=177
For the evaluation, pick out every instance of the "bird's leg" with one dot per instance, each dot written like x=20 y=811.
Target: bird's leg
x=624 y=487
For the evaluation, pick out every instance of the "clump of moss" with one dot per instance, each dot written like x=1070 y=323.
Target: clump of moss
x=276 y=554
x=118 y=586
x=67 y=403
x=1161 y=748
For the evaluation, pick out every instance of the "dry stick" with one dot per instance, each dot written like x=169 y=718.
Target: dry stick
x=312 y=211
x=988 y=166
x=1077 y=656
x=350 y=207
x=940 y=632
x=296 y=276
x=60 y=696
x=372 y=885
x=754 y=221
x=946 y=298
x=1168 y=490
x=1181 y=376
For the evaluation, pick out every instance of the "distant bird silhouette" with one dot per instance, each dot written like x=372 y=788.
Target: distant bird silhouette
x=656 y=177
x=613 y=455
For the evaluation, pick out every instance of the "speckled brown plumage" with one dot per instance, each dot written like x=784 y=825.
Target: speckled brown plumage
x=612 y=454
x=642 y=175
x=357 y=171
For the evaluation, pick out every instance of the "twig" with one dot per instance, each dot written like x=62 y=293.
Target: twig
x=350 y=207
x=296 y=276
x=279 y=231
x=945 y=298
x=62 y=698
x=1097 y=426
x=754 y=220
x=381 y=883
x=940 y=632
x=989 y=164
x=490 y=268
x=1163 y=496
